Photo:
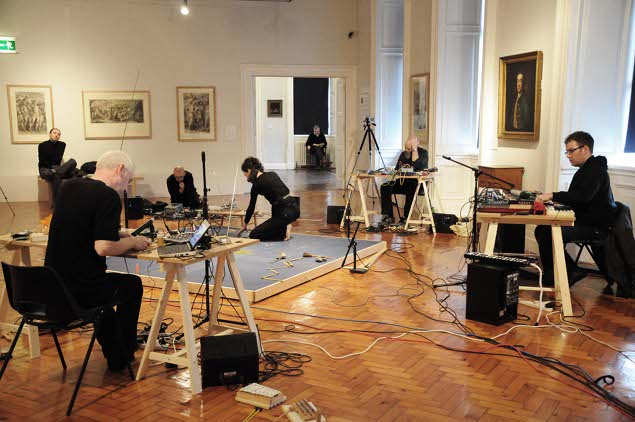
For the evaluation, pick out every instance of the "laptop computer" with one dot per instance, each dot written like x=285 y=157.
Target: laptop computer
x=184 y=249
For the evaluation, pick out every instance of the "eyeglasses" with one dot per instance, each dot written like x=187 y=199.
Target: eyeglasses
x=572 y=150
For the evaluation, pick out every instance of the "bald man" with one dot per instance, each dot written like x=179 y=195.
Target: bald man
x=181 y=188
x=415 y=157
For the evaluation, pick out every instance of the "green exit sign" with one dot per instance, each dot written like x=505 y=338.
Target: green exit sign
x=7 y=45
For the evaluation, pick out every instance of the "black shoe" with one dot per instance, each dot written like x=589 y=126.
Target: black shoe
x=386 y=220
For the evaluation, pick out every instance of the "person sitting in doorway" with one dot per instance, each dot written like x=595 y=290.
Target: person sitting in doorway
x=50 y=154
x=415 y=157
x=181 y=188
x=285 y=209
x=591 y=198
x=315 y=144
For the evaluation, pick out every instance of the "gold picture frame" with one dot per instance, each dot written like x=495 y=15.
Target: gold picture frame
x=196 y=113
x=116 y=114
x=274 y=108
x=30 y=113
x=519 y=93
x=420 y=106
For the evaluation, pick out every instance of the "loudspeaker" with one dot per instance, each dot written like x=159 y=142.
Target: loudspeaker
x=229 y=359
x=442 y=222
x=334 y=214
x=135 y=208
x=492 y=293
x=510 y=238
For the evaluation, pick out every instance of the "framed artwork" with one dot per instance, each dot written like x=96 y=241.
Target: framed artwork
x=274 y=108
x=117 y=114
x=419 y=106
x=519 y=89
x=196 y=113
x=30 y=113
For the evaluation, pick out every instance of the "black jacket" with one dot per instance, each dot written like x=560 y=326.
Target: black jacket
x=620 y=252
x=314 y=140
x=590 y=194
x=420 y=164
x=50 y=153
x=189 y=198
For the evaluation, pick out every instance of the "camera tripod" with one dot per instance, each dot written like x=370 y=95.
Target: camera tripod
x=7 y=201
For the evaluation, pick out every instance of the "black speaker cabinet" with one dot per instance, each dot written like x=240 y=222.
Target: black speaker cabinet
x=135 y=208
x=334 y=214
x=442 y=222
x=492 y=293
x=229 y=360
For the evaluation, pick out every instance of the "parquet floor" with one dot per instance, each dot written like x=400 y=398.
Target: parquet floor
x=398 y=379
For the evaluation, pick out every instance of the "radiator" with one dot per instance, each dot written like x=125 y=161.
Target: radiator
x=299 y=152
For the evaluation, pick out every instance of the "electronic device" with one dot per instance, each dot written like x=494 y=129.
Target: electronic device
x=182 y=237
x=492 y=292
x=23 y=235
x=497 y=259
x=178 y=250
x=229 y=359
x=173 y=209
x=148 y=225
x=334 y=214
x=135 y=208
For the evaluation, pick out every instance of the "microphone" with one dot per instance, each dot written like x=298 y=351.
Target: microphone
x=446 y=157
x=203 y=156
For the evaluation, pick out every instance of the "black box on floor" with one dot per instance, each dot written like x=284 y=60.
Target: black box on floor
x=229 y=359
x=135 y=208
x=442 y=222
x=492 y=293
x=334 y=214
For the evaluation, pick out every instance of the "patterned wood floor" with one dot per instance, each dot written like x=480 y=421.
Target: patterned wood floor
x=398 y=379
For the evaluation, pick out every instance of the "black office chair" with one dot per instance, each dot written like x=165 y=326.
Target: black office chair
x=44 y=301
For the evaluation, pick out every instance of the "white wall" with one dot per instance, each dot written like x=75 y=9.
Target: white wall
x=273 y=132
x=78 y=45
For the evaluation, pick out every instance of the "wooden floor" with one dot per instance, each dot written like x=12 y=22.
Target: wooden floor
x=398 y=379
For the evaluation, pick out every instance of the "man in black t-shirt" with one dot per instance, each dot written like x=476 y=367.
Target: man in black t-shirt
x=84 y=230
x=182 y=189
x=591 y=198
x=414 y=157
x=316 y=145
x=50 y=167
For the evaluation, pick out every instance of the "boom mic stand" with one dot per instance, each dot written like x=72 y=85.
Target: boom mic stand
x=7 y=201
x=477 y=173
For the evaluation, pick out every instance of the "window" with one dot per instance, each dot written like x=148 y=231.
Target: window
x=310 y=105
x=629 y=146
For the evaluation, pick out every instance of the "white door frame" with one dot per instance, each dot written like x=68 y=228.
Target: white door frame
x=249 y=72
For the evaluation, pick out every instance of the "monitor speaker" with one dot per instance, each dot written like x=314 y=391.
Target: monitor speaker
x=229 y=360
x=334 y=214
x=492 y=293
x=135 y=208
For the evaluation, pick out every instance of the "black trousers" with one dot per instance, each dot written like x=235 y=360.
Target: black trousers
x=126 y=291
x=55 y=174
x=317 y=152
x=386 y=191
x=275 y=228
x=569 y=235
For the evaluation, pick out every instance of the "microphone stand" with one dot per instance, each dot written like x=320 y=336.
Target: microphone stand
x=477 y=173
x=8 y=203
x=125 y=208
x=352 y=244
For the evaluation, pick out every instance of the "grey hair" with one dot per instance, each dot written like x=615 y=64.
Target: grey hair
x=316 y=127
x=113 y=159
x=179 y=168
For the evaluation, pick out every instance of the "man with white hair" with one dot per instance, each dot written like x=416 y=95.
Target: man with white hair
x=85 y=229
x=316 y=145
x=414 y=157
x=182 y=190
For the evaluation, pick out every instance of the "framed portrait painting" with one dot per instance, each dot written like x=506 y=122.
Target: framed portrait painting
x=196 y=113
x=274 y=108
x=419 y=106
x=520 y=78
x=117 y=114
x=30 y=113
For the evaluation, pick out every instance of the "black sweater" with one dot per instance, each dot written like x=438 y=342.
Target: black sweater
x=189 y=197
x=50 y=153
x=590 y=194
x=420 y=164
x=314 y=140
x=271 y=187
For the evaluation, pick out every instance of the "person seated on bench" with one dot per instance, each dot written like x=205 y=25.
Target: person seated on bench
x=414 y=157
x=285 y=209
x=591 y=198
x=182 y=190
x=315 y=144
x=50 y=154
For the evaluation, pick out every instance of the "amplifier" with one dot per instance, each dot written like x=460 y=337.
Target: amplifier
x=229 y=360
x=492 y=293
x=135 y=208
x=442 y=222
x=334 y=214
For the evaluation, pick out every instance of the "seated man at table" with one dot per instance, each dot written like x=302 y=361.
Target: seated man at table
x=181 y=188
x=415 y=157
x=591 y=198
x=84 y=231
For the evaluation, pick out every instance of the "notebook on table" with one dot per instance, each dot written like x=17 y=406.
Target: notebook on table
x=184 y=249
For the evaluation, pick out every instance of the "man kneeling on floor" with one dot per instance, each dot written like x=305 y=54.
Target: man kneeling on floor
x=84 y=230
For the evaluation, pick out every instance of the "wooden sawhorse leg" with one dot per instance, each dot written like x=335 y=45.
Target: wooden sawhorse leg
x=561 y=278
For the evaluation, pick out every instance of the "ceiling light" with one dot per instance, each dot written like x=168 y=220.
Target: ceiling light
x=184 y=9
